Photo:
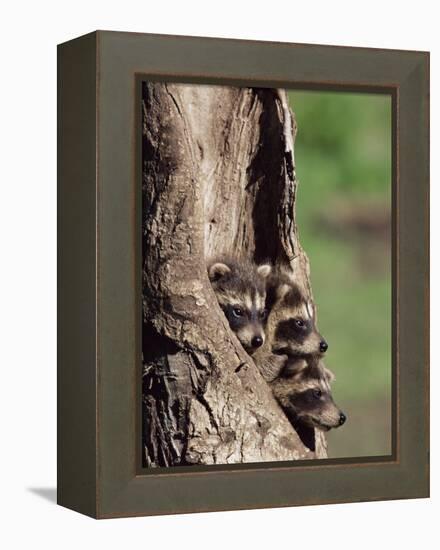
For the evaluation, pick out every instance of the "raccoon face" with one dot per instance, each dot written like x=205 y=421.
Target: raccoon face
x=241 y=294
x=303 y=391
x=295 y=332
x=247 y=322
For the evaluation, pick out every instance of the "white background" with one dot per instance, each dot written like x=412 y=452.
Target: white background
x=29 y=34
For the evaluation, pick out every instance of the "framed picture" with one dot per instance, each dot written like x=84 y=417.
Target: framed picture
x=243 y=274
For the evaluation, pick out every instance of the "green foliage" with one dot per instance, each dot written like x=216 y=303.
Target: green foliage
x=343 y=157
x=344 y=140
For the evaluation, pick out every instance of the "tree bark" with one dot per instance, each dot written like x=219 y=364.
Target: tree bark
x=218 y=178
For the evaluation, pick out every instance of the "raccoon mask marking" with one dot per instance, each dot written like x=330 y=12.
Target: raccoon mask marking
x=240 y=288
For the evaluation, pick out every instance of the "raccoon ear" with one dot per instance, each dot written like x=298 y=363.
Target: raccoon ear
x=329 y=375
x=282 y=290
x=264 y=270
x=294 y=367
x=218 y=270
x=310 y=309
x=315 y=369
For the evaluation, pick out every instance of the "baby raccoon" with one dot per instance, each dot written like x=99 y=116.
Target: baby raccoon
x=303 y=391
x=240 y=287
x=292 y=319
x=290 y=330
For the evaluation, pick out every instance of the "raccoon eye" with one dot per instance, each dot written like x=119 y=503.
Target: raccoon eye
x=263 y=314
x=300 y=323
x=317 y=394
x=237 y=311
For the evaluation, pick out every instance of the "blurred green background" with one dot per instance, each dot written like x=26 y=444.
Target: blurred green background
x=343 y=163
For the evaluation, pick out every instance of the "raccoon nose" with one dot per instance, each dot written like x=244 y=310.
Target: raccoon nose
x=257 y=341
x=323 y=346
x=342 y=419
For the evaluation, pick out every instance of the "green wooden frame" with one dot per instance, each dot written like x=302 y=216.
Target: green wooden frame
x=99 y=298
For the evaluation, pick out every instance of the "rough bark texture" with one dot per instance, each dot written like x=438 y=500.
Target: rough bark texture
x=218 y=177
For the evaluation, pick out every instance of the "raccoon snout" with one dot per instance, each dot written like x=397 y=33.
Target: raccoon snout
x=323 y=346
x=257 y=341
x=342 y=419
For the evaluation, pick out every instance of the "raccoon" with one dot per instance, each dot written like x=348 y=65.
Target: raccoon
x=295 y=332
x=303 y=391
x=240 y=287
x=291 y=330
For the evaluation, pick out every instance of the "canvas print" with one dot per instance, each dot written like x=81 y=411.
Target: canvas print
x=266 y=275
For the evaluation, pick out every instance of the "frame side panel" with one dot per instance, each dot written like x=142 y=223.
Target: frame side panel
x=413 y=275
x=77 y=69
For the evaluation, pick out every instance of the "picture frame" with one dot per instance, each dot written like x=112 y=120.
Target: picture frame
x=99 y=307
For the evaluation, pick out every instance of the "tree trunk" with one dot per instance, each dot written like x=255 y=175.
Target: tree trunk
x=218 y=178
